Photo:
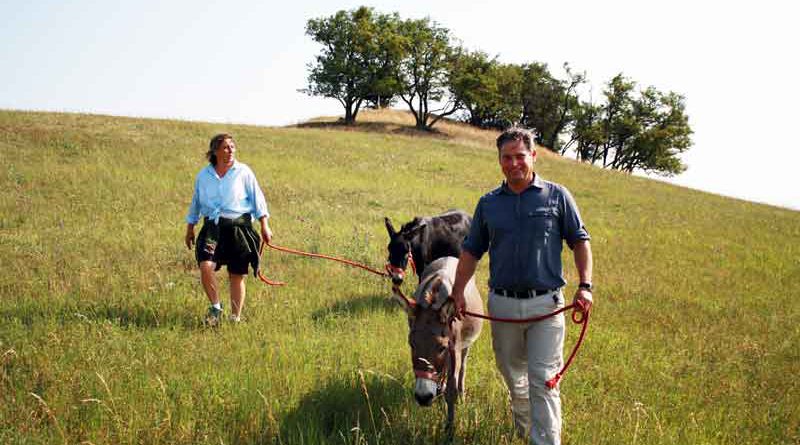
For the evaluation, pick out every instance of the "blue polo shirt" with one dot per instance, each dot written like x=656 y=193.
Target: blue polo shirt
x=523 y=234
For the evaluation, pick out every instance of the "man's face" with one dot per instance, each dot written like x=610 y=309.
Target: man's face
x=517 y=163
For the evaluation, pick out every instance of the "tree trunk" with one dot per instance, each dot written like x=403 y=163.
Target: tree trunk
x=349 y=117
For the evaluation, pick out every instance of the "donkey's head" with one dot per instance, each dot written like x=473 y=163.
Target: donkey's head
x=400 y=247
x=430 y=338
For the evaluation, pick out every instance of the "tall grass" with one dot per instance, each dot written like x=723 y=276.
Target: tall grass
x=694 y=337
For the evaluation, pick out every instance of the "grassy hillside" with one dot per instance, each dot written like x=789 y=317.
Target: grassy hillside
x=694 y=339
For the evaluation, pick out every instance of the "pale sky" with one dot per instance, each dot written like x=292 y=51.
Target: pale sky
x=242 y=62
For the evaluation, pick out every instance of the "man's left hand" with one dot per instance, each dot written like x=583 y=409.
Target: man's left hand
x=583 y=300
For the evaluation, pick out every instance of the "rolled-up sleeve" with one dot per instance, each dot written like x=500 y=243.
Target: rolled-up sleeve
x=572 y=228
x=477 y=241
x=193 y=216
x=257 y=197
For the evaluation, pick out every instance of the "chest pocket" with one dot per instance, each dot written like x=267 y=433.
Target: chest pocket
x=541 y=222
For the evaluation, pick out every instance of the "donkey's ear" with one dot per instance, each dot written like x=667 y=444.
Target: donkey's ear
x=389 y=227
x=440 y=293
x=431 y=295
x=408 y=307
x=417 y=229
x=444 y=291
x=448 y=311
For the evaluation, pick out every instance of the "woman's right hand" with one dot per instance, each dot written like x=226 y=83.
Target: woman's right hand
x=189 y=236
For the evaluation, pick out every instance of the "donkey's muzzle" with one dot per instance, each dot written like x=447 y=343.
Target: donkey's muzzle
x=398 y=275
x=424 y=400
x=425 y=390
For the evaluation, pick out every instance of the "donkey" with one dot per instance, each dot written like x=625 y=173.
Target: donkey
x=440 y=342
x=425 y=239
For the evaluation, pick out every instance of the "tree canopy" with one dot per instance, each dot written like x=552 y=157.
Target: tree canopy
x=360 y=52
x=423 y=72
x=488 y=91
x=374 y=59
x=644 y=130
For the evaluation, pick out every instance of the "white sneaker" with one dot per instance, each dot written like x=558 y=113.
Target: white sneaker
x=234 y=318
x=213 y=316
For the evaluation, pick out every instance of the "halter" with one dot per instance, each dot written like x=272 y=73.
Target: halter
x=578 y=317
x=432 y=374
x=441 y=377
x=393 y=270
x=436 y=376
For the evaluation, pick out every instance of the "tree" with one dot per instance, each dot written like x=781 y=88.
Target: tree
x=360 y=54
x=382 y=91
x=588 y=135
x=487 y=90
x=663 y=134
x=422 y=73
x=508 y=110
x=379 y=101
x=547 y=102
x=646 y=131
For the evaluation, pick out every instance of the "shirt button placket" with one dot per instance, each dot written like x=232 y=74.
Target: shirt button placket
x=517 y=238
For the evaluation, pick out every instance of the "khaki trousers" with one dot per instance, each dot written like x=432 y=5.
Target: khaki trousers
x=528 y=355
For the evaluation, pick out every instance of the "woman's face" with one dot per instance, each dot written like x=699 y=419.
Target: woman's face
x=225 y=152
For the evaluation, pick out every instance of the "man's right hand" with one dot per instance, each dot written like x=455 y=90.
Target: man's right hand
x=464 y=271
x=460 y=304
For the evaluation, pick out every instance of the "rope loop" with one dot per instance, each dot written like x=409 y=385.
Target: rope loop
x=578 y=316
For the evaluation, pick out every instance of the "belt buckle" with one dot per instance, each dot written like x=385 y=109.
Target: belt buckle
x=505 y=292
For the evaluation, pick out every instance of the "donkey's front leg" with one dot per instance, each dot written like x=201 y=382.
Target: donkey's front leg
x=452 y=390
x=451 y=397
x=462 y=372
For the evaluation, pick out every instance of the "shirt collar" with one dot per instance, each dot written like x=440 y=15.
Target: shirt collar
x=213 y=171
x=537 y=182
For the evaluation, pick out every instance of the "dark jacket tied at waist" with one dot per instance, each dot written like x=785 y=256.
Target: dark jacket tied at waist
x=230 y=240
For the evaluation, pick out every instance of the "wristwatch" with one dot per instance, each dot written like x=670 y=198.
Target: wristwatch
x=586 y=286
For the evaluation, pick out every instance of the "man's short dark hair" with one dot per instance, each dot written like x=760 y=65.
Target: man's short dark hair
x=216 y=141
x=514 y=134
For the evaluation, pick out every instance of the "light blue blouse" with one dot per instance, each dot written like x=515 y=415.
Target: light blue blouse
x=230 y=196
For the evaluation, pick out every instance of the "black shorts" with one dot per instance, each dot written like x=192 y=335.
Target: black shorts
x=223 y=250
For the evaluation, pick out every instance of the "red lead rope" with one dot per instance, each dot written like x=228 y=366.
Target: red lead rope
x=312 y=255
x=578 y=317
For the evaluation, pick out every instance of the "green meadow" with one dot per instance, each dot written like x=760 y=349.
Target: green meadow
x=694 y=337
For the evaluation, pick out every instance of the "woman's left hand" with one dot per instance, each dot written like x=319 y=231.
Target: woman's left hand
x=266 y=234
x=189 y=238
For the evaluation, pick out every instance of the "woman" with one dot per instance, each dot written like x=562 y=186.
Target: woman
x=227 y=194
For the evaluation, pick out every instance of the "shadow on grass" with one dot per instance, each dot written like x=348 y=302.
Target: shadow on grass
x=357 y=306
x=134 y=315
x=377 y=127
x=362 y=407
x=145 y=316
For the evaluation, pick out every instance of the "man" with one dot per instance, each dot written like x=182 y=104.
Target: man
x=522 y=224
